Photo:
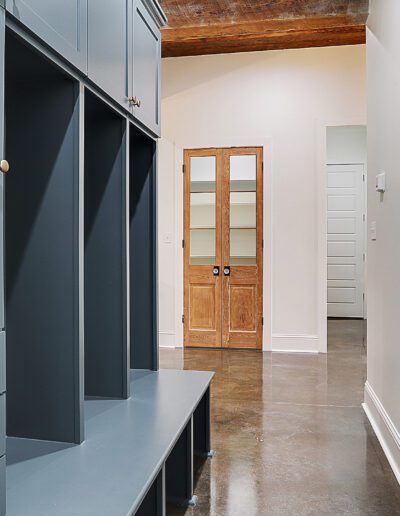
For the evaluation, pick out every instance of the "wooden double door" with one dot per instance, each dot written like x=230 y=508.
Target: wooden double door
x=223 y=247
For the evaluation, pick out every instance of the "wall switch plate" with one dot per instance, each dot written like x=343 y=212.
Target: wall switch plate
x=381 y=182
x=373 y=230
x=167 y=238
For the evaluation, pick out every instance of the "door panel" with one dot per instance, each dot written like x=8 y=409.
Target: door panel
x=223 y=248
x=107 y=47
x=2 y=333
x=62 y=24
x=242 y=248
x=345 y=240
x=202 y=248
x=2 y=55
x=146 y=67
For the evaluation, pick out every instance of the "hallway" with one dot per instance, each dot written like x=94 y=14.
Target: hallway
x=290 y=434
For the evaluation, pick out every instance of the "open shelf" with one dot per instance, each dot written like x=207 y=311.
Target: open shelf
x=143 y=249
x=106 y=276
x=42 y=249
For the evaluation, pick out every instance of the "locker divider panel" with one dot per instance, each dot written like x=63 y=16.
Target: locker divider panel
x=43 y=249
x=143 y=251
x=106 y=335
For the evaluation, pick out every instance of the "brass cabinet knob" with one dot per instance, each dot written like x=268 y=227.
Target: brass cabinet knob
x=134 y=101
x=4 y=166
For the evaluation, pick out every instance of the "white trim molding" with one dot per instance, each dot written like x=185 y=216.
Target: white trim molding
x=384 y=428
x=166 y=339
x=295 y=343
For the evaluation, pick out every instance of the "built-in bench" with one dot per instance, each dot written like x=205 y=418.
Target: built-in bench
x=137 y=455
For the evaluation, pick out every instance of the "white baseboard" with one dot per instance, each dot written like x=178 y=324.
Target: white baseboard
x=295 y=343
x=384 y=428
x=166 y=339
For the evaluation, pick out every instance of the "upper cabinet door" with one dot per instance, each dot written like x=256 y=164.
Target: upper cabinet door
x=107 y=47
x=61 y=24
x=146 y=68
x=2 y=157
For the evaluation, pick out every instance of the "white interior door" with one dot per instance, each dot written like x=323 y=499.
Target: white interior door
x=346 y=205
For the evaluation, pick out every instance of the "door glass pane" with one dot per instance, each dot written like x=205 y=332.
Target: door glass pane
x=243 y=210
x=202 y=210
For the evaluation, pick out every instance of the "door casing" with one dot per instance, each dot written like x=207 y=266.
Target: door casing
x=244 y=281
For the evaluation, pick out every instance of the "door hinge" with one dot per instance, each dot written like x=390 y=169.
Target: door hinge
x=183 y=244
x=183 y=319
x=363 y=177
x=183 y=169
x=364 y=217
x=363 y=257
x=262 y=321
x=262 y=167
x=262 y=243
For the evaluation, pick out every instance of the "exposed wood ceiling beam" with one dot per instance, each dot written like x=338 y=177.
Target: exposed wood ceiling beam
x=264 y=35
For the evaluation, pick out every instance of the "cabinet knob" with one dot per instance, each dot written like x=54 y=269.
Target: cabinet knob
x=4 y=166
x=134 y=101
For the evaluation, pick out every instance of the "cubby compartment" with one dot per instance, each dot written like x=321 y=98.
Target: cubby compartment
x=43 y=249
x=143 y=251
x=106 y=258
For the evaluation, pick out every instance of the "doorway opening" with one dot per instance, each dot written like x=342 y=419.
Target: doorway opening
x=223 y=247
x=346 y=225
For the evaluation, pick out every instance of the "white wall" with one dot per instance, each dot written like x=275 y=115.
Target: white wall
x=346 y=145
x=282 y=99
x=382 y=393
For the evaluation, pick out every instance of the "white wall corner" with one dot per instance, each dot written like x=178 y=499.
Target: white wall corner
x=384 y=428
x=291 y=343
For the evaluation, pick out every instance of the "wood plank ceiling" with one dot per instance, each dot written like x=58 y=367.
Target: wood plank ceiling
x=197 y=27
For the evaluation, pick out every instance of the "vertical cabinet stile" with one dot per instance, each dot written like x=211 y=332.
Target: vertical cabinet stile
x=2 y=329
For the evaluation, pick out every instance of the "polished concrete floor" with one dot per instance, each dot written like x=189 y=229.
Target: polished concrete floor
x=289 y=433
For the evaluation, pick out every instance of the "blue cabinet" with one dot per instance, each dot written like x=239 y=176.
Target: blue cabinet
x=145 y=67
x=107 y=47
x=61 y=24
x=2 y=58
x=2 y=333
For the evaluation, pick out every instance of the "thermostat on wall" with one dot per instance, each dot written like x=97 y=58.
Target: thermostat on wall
x=381 y=182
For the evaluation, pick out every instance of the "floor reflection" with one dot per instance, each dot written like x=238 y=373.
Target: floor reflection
x=289 y=432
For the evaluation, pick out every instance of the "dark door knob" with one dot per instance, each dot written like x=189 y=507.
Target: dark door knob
x=227 y=271
x=216 y=270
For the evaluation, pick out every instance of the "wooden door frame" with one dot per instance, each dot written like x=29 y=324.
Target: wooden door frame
x=221 y=199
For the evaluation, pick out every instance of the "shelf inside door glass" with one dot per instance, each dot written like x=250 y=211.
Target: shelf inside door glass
x=243 y=202
x=202 y=210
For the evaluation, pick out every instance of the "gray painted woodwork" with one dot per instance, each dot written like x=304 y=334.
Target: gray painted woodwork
x=61 y=24
x=2 y=156
x=179 y=469
x=146 y=61
x=2 y=425
x=106 y=279
x=127 y=443
x=107 y=47
x=3 y=483
x=201 y=426
x=143 y=252
x=44 y=249
x=2 y=362
x=154 y=503
x=2 y=334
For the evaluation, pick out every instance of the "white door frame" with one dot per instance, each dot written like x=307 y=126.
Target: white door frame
x=322 y=221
